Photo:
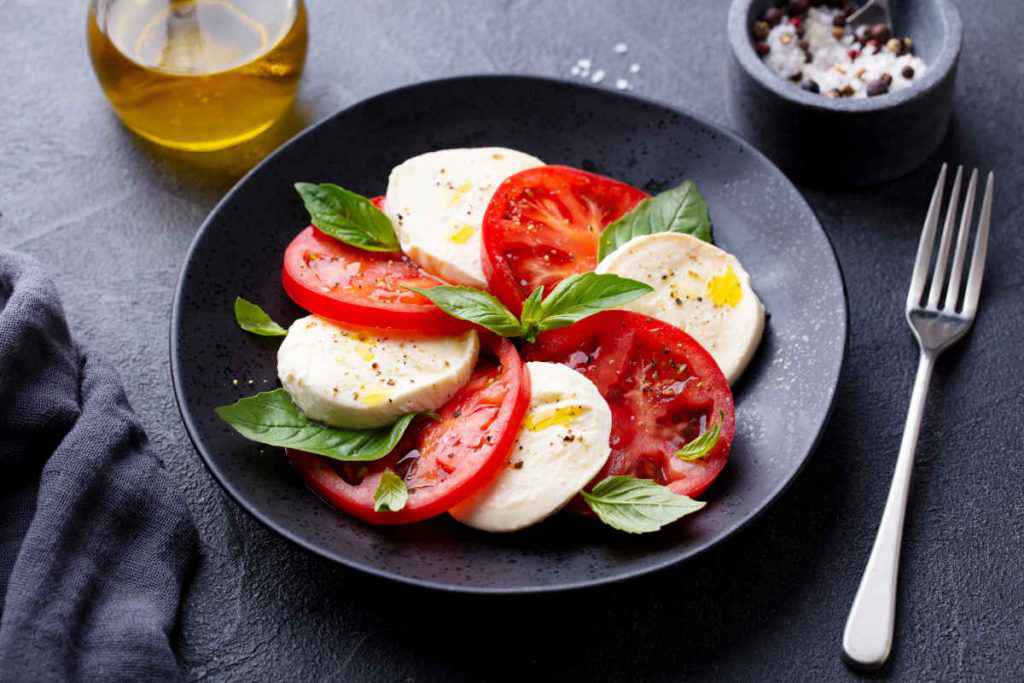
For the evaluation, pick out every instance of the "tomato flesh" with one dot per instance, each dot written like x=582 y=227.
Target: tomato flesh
x=663 y=389
x=542 y=225
x=364 y=288
x=443 y=460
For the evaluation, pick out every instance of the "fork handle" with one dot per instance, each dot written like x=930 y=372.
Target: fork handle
x=867 y=639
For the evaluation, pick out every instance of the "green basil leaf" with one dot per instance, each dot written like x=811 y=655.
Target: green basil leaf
x=585 y=294
x=474 y=305
x=680 y=209
x=391 y=494
x=532 y=306
x=272 y=418
x=252 y=318
x=701 y=445
x=531 y=315
x=637 y=506
x=348 y=217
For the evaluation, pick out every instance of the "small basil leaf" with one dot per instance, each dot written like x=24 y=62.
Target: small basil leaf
x=348 y=217
x=252 y=318
x=532 y=306
x=637 y=506
x=701 y=445
x=391 y=494
x=531 y=314
x=585 y=294
x=680 y=209
x=474 y=305
x=273 y=418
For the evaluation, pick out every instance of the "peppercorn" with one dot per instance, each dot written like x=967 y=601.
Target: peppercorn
x=878 y=87
x=805 y=45
x=839 y=20
x=886 y=78
x=810 y=86
x=847 y=91
x=908 y=72
x=773 y=16
x=762 y=48
x=761 y=30
x=880 y=32
x=895 y=46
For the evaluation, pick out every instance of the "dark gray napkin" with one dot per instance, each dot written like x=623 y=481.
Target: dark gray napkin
x=95 y=541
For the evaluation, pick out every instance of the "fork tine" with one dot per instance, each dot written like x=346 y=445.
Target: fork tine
x=956 y=274
x=924 y=247
x=980 y=250
x=941 y=261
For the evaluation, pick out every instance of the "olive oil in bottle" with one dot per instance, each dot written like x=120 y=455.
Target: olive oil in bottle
x=198 y=74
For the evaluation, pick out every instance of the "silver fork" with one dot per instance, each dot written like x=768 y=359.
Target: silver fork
x=867 y=639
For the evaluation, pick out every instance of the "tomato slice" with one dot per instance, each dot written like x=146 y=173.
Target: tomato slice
x=542 y=225
x=663 y=389
x=444 y=460
x=364 y=288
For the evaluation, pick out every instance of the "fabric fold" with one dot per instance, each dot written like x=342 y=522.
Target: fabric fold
x=95 y=540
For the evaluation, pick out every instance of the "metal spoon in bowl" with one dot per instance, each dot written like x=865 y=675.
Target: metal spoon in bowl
x=870 y=13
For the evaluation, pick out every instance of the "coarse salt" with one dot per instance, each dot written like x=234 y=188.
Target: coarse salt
x=840 y=66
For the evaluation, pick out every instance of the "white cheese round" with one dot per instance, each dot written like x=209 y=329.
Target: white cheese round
x=700 y=289
x=358 y=380
x=437 y=201
x=562 y=445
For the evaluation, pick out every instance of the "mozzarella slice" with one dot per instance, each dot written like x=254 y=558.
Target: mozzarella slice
x=697 y=287
x=437 y=201
x=562 y=445
x=357 y=380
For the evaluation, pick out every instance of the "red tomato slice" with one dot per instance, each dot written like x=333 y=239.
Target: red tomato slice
x=442 y=461
x=363 y=288
x=663 y=389
x=542 y=225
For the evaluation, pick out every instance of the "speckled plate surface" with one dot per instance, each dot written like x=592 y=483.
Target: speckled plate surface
x=782 y=403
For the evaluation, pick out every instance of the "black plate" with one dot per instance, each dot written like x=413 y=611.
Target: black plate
x=783 y=401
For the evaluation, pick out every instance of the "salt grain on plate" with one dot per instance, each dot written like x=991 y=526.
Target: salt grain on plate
x=622 y=84
x=621 y=48
x=598 y=76
x=634 y=68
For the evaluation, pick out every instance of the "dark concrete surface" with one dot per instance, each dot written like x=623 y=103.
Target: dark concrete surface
x=113 y=217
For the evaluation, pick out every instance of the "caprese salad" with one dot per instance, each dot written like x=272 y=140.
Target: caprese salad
x=496 y=339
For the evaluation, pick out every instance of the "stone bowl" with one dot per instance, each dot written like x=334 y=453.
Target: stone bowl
x=847 y=142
